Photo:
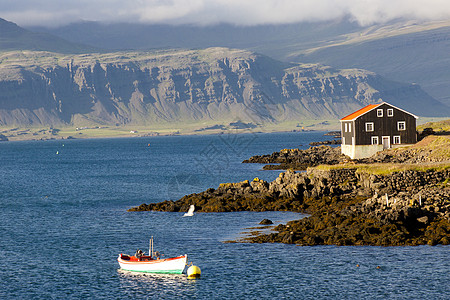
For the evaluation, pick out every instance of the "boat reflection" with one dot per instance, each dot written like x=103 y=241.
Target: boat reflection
x=155 y=285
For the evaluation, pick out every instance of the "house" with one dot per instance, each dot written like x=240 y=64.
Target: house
x=377 y=127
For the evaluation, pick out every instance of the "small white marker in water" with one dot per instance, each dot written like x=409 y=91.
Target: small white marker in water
x=420 y=200
x=190 y=212
x=57 y=152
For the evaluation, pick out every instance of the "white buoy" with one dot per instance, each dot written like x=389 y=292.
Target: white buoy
x=420 y=200
x=193 y=272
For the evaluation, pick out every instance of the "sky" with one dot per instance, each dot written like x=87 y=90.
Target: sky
x=204 y=12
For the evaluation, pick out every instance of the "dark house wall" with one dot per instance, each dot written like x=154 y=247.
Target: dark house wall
x=386 y=126
x=347 y=135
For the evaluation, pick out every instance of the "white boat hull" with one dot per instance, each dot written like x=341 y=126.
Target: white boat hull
x=173 y=265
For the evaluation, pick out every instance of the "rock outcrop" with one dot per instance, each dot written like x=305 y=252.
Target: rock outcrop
x=347 y=206
x=300 y=159
x=393 y=202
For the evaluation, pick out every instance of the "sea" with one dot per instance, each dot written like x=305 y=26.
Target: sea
x=64 y=220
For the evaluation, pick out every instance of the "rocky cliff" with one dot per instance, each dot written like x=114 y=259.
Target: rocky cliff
x=184 y=86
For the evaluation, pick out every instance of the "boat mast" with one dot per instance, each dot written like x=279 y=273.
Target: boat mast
x=150 y=250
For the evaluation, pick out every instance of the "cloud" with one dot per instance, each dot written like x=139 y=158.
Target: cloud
x=204 y=12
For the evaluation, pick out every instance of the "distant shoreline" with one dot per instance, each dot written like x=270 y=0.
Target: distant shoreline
x=89 y=132
x=48 y=136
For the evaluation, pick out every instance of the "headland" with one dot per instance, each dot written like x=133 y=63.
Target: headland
x=398 y=197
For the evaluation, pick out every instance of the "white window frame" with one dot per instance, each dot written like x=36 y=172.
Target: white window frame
x=399 y=123
x=394 y=142
x=346 y=127
x=367 y=126
x=349 y=127
x=390 y=112
x=380 y=112
x=375 y=140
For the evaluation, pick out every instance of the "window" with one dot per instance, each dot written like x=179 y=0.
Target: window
x=396 y=139
x=401 y=125
x=369 y=126
x=374 y=140
x=390 y=112
x=346 y=127
x=349 y=127
x=379 y=112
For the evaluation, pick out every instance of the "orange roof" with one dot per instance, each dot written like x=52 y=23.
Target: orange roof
x=360 y=112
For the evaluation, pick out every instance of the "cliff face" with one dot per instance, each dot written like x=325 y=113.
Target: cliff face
x=142 y=88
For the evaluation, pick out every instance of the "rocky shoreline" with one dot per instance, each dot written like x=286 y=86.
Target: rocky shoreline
x=347 y=206
x=383 y=204
x=297 y=159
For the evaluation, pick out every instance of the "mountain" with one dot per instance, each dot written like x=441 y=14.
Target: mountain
x=405 y=51
x=266 y=39
x=13 y=37
x=187 y=86
x=415 y=53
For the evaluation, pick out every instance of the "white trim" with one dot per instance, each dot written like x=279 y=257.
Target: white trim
x=402 y=110
x=379 y=112
x=390 y=112
x=378 y=106
x=404 y=125
x=374 y=138
x=346 y=127
x=369 y=123
x=349 y=126
x=393 y=140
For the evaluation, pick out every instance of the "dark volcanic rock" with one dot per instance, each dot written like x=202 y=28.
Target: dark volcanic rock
x=336 y=134
x=346 y=207
x=266 y=222
x=301 y=159
x=330 y=142
x=3 y=138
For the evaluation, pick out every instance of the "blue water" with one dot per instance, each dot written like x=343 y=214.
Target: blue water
x=64 y=221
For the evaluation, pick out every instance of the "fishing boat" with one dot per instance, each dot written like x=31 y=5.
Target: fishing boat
x=152 y=263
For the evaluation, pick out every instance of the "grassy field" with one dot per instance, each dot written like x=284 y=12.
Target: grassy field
x=442 y=125
x=388 y=168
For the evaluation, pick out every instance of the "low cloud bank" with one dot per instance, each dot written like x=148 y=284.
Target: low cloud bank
x=206 y=12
